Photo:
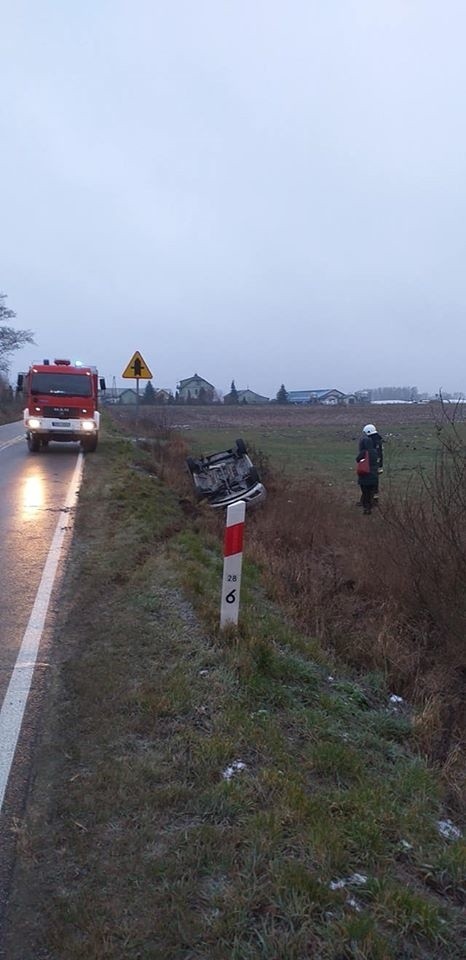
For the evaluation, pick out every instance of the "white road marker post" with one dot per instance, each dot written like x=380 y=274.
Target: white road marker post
x=232 y=562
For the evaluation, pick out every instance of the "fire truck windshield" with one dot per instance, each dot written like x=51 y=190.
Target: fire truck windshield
x=62 y=384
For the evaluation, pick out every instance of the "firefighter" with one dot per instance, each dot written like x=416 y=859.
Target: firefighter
x=370 y=432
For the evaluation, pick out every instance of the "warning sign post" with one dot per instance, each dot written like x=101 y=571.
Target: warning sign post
x=137 y=369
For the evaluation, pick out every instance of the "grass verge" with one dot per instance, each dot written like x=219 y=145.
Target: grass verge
x=10 y=410
x=145 y=837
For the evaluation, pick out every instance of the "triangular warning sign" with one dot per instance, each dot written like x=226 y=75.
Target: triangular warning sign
x=137 y=368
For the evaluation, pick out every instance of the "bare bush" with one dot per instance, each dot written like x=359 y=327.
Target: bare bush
x=425 y=561
x=389 y=593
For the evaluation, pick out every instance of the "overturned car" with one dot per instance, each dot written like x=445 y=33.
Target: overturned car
x=225 y=477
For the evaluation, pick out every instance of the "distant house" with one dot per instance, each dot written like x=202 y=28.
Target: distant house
x=119 y=395
x=163 y=395
x=247 y=396
x=197 y=389
x=326 y=397
x=127 y=395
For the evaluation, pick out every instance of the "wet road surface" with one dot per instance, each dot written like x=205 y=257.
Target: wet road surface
x=33 y=492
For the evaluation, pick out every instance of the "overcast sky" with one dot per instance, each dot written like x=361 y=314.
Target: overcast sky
x=260 y=190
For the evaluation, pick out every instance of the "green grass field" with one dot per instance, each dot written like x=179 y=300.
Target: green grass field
x=316 y=441
x=330 y=451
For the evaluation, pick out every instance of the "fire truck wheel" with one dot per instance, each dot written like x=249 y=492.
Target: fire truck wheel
x=89 y=445
x=33 y=443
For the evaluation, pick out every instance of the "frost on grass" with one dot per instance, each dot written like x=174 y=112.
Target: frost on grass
x=394 y=698
x=355 y=880
x=447 y=829
x=352 y=902
x=233 y=768
x=395 y=701
x=405 y=845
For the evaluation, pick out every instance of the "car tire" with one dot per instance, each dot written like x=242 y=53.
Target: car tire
x=253 y=476
x=33 y=443
x=192 y=464
x=241 y=447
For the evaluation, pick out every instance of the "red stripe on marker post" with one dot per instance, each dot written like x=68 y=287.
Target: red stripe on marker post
x=233 y=539
x=232 y=562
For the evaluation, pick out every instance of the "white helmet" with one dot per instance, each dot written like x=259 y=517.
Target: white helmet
x=369 y=429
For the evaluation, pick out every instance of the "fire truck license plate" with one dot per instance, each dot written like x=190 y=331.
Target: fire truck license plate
x=61 y=423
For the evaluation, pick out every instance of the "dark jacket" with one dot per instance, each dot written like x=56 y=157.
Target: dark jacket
x=377 y=443
x=368 y=479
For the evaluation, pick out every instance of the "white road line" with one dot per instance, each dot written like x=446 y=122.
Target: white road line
x=9 y=443
x=14 y=704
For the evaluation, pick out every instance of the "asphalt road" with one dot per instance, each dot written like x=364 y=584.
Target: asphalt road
x=33 y=491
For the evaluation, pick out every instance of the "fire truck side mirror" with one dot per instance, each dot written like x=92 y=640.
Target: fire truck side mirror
x=102 y=383
x=19 y=383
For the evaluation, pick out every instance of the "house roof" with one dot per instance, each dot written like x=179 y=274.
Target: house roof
x=251 y=393
x=196 y=379
x=305 y=395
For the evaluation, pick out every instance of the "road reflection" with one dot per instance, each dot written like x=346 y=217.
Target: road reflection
x=33 y=496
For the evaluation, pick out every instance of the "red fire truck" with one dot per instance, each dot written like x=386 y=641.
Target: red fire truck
x=61 y=404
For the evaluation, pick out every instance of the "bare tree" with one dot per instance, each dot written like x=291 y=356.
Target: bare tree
x=10 y=339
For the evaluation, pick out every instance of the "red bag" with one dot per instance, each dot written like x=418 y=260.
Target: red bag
x=363 y=467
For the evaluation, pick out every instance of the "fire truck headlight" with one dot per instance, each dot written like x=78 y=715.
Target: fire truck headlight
x=88 y=425
x=33 y=423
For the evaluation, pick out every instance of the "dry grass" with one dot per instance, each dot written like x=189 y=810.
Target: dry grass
x=249 y=416
x=354 y=584
x=10 y=409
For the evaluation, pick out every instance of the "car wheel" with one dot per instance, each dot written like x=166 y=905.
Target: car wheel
x=193 y=465
x=33 y=443
x=241 y=447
